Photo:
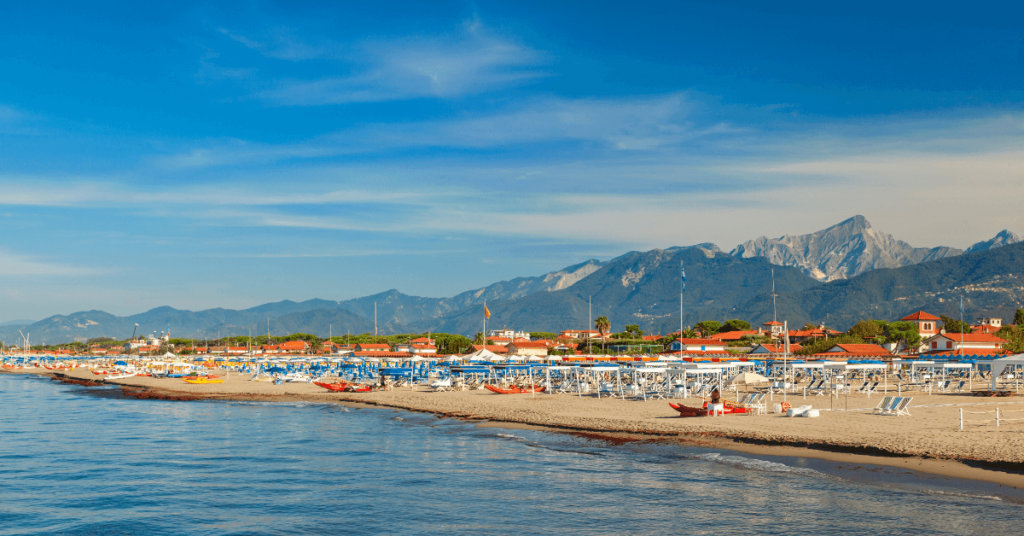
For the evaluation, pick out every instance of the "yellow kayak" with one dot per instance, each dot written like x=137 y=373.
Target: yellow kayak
x=202 y=380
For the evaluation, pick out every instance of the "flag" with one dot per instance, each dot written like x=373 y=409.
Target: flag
x=487 y=312
x=683 y=270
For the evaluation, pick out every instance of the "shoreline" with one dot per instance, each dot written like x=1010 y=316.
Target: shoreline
x=570 y=414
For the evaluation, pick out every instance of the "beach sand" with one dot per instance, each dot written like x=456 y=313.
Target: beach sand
x=929 y=440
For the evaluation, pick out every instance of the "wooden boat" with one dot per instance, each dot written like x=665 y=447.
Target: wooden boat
x=337 y=387
x=202 y=380
x=689 y=411
x=514 y=390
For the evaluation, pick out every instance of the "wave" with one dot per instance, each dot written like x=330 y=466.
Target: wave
x=755 y=464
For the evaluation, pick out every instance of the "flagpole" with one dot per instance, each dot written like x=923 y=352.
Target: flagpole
x=682 y=289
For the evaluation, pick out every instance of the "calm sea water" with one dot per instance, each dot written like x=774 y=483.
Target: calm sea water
x=73 y=461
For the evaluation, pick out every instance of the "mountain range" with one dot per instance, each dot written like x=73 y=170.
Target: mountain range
x=837 y=276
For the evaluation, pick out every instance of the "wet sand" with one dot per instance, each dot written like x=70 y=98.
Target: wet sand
x=928 y=441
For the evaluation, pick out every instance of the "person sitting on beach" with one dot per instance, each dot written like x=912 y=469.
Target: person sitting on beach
x=716 y=397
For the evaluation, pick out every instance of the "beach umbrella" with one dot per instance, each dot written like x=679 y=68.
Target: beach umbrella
x=746 y=378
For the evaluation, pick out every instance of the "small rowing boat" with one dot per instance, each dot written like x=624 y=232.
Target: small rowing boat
x=689 y=411
x=514 y=390
x=202 y=380
x=337 y=387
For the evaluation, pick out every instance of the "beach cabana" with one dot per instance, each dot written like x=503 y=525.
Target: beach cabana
x=999 y=365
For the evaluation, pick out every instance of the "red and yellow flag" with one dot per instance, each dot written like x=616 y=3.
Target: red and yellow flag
x=487 y=312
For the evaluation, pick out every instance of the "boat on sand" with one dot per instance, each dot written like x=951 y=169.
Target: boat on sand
x=514 y=390
x=690 y=411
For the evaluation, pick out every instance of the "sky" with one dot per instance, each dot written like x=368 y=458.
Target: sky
x=227 y=155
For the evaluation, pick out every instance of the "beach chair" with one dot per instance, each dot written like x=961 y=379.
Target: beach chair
x=884 y=405
x=873 y=388
x=863 y=387
x=903 y=408
x=960 y=386
x=442 y=385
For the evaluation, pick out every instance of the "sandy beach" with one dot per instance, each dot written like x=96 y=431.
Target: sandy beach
x=929 y=440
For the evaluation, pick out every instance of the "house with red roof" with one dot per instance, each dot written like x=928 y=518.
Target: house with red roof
x=733 y=336
x=535 y=348
x=859 y=349
x=294 y=346
x=370 y=347
x=774 y=349
x=927 y=324
x=969 y=342
x=774 y=327
x=697 y=345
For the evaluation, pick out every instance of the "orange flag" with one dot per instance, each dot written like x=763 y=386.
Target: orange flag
x=487 y=312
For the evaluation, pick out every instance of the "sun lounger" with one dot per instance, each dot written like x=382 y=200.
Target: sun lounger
x=873 y=388
x=884 y=405
x=960 y=386
x=903 y=408
x=862 y=388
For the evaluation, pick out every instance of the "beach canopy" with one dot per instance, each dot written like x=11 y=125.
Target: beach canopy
x=482 y=355
x=999 y=365
x=746 y=378
x=120 y=363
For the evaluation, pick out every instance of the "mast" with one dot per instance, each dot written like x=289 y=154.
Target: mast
x=775 y=309
x=374 y=322
x=682 y=290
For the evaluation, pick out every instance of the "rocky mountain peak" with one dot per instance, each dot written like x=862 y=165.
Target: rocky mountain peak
x=1004 y=238
x=841 y=251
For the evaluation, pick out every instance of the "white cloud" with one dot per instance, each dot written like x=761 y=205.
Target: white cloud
x=473 y=61
x=15 y=264
x=623 y=124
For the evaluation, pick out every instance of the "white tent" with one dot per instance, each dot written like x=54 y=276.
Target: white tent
x=999 y=365
x=482 y=355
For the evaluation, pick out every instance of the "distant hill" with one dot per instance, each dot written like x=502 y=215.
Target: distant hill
x=639 y=288
x=1004 y=238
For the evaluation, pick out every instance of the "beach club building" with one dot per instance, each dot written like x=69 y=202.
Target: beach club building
x=970 y=343
x=774 y=349
x=538 y=348
x=370 y=347
x=697 y=345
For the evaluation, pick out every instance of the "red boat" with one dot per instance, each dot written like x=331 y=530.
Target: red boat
x=513 y=390
x=338 y=387
x=688 y=411
x=358 y=388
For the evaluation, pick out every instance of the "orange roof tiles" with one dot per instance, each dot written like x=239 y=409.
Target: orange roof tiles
x=920 y=315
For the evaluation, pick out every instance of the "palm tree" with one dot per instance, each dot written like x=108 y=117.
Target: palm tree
x=603 y=325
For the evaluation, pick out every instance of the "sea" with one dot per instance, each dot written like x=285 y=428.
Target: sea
x=79 y=460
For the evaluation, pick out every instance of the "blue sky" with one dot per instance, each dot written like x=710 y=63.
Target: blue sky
x=200 y=155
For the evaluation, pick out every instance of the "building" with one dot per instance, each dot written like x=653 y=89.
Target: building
x=580 y=334
x=508 y=334
x=538 y=348
x=697 y=345
x=994 y=322
x=294 y=346
x=970 y=343
x=774 y=328
x=927 y=325
x=369 y=347
x=418 y=349
x=859 y=349
x=774 y=349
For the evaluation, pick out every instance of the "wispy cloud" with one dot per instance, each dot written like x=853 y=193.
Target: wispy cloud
x=15 y=264
x=622 y=124
x=471 y=61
